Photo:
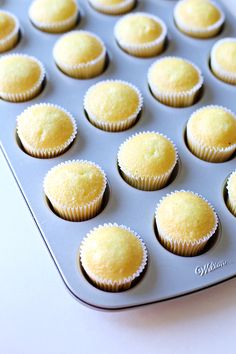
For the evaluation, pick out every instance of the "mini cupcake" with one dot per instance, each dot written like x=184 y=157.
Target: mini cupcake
x=75 y=189
x=21 y=77
x=198 y=18
x=141 y=34
x=211 y=133
x=112 y=7
x=175 y=81
x=54 y=16
x=9 y=31
x=80 y=54
x=231 y=188
x=113 y=257
x=185 y=222
x=45 y=130
x=113 y=105
x=146 y=160
x=223 y=60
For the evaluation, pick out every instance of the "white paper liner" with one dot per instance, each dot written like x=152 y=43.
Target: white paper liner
x=147 y=183
x=146 y=49
x=179 y=247
x=204 y=152
x=82 y=212
x=113 y=126
x=27 y=95
x=48 y=152
x=175 y=99
x=11 y=39
x=207 y=32
x=56 y=27
x=116 y=9
x=217 y=69
x=231 y=202
x=107 y=284
x=83 y=70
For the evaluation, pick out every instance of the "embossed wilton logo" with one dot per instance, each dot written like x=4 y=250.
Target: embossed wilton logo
x=209 y=267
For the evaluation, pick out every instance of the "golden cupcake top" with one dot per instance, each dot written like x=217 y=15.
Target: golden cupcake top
x=111 y=252
x=45 y=126
x=7 y=24
x=185 y=216
x=147 y=154
x=173 y=74
x=112 y=101
x=213 y=126
x=19 y=73
x=225 y=54
x=78 y=47
x=74 y=183
x=231 y=186
x=138 y=29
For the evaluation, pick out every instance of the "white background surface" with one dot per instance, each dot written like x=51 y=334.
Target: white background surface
x=39 y=316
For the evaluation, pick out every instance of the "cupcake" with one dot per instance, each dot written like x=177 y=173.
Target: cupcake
x=45 y=130
x=141 y=34
x=175 y=81
x=198 y=18
x=53 y=16
x=113 y=257
x=75 y=189
x=185 y=222
x=9 y=31
x=113 y=105
x=21 y=77
x=112 y=7
x=211 y=133
x=80 y=54
x=231 y=188
x=223 y=60
x=146 y=160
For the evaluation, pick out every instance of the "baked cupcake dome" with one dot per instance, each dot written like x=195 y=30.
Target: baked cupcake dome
x=75 y=189
x=21 y=77
x=80 y=54
x=175 y=81
x=112 y=7
x=185 y=222
x=211 y=133
x=53 y=16
x=141 y=34
x=198 y=18
x=146 y=160
x=223 y=60
x=9 y=31
x=113 y=257
x=113 y=105
x=231 y=189
x=45 y=130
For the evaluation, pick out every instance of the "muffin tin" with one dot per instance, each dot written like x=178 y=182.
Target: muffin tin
x=167 y=275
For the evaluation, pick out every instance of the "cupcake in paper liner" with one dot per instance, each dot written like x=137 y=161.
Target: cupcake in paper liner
x=185 y=222
x=231 y=190
x=175 y=81
x=113 y=105
x=211 y=133
x=45 y=130
x=223 y=60
x=141 y=34
x=21 y=77
x=75 y=189
x=112 y=7
x=113 y=257
x=9 y=31
x=54 y=16
x=198 y=18
x=80 y=54
x=146 y=160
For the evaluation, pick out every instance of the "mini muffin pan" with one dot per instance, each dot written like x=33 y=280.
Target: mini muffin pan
x=167 y=275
